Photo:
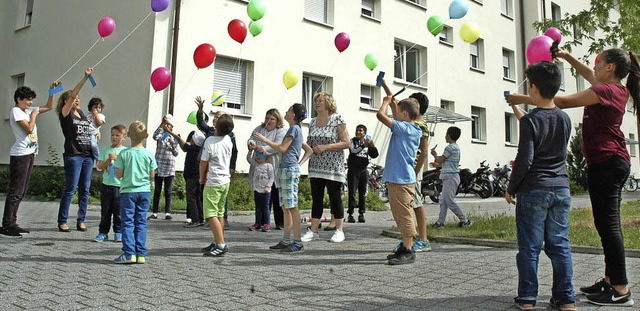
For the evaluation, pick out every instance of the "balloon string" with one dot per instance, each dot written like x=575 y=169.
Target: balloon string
x=185 y=86
x=125 y=38
x=146 y=107
x=325 y=77
x=405 y=52
x=518 y=87
x=81 y=57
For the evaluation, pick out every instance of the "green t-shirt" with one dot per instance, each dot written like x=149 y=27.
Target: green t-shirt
x=137 y=165
x=109 y=171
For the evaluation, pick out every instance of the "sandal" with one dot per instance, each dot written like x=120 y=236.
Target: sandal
x=525 y=305
x=63 y=228
x=81 y=227
x=556 y=304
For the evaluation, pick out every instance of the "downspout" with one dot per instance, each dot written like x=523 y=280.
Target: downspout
x=174 y=54
x=523 y=45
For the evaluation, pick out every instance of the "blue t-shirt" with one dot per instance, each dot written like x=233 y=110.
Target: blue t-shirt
x=403 y=146
x=291 y=156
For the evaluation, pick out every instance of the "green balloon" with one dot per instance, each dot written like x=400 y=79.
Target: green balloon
x=255 y=27
x=192 y=117
x=371 y=61
x=256 y=9
x=435 y=24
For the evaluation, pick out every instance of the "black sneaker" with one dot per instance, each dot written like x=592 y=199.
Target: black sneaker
x=610 y=297
x=403 y=256
x=192 y=225
x=350 y=219
x=598 y=287
x=281 y=245
x=464 y=224
x=152 y=217
x=168 y=217
x=293 y=248
x=438 y=225
x=10 y=232
x=22 y=230
x=361 y=218
x=209 y=248
x=217 y=251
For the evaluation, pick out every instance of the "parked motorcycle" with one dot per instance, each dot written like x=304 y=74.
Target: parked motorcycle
x=480 y=182
x=501 y=175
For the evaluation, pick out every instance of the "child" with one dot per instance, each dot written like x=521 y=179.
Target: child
x=110 y=188
x=399 y=173
x=262 y=180
x=288 y=177
x=23 y=125
x=361 y=147
x=449 y=161
x=96 y=118
x=215 y=175
x=166 y=153
x=540 y=181
x=136 y=167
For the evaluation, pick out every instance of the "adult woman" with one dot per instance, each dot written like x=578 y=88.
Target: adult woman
x=607 y=158
x=78 y=159
x=328 y=137
x=272 y=129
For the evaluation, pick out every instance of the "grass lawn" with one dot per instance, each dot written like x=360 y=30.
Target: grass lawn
x=581 y=233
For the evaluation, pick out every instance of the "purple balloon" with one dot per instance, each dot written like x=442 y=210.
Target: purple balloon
x=539 y=49
x=554 y=33
x=159 y=5
x=342 y=41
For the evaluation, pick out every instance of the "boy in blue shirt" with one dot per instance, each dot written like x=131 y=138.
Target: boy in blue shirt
x=399 y=173
x=136 y=167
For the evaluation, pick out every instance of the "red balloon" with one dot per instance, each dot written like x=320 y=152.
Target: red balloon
x=204 y=55
x=237 y=30
x=160 y=78
x=342 y=41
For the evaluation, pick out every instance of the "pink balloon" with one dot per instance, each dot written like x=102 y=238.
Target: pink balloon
x=160 y=78
x=342 y=41
x=539 y=49
x=106 y=26
x=554 y=33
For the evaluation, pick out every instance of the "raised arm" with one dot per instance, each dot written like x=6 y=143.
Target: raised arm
x=203 y=126
x=585 y=98
x=74 y=93
x=585 y=71
x=382 y=112
x=50 y=101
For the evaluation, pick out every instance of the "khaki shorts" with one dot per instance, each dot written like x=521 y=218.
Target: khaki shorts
x=401 y=198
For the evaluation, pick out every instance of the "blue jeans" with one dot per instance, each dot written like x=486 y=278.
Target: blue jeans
x=542 y=216
x=133 y=217
x=77 y=173
x=263 y=214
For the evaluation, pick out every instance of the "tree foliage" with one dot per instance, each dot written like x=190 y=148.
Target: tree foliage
x=576 y=164
x=602 y=20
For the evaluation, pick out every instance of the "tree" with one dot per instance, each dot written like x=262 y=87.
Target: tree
x=576 y=164
x=623 y=32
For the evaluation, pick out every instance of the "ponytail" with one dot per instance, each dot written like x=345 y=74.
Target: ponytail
x=633 y=81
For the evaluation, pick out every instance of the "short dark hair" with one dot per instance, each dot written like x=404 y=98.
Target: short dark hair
x=454 y=132
x=411 y=106
x=361 y=126
x=422 y=99
x=224 y=125
x=96 y=101
x=23 y=92
x=546 y=76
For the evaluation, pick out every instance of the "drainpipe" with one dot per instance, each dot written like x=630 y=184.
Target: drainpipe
x=523 y=45
x=174 y=54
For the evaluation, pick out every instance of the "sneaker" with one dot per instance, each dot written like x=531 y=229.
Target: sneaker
x=101 y=237
x=209 y=248
x=125 y=259
x=10 y=232
x=22 y=230
x=438 y=224
x=310 y=235
x=205 y=226
x=419 y=246
x=464 y=224
x=141 y=260
x=610 y=297
x=338 y=236
x=254 y=227
x=192 y=225
x=350 y=219
x=598 y=287
x=402 y=257
x=278 y=227
x=266 y=228
x=280 y=246
x=188 y=220
x=395 y=250
x=293 y=248
x=563 y=306
x=217 y=251
x=525 y=305
x=168 y=217
x=361 y=218
x=152 y=216
x=117 y=237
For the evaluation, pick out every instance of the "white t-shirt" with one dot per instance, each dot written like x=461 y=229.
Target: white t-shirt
x=217 y=151
x=92 y=118
x=25 y=143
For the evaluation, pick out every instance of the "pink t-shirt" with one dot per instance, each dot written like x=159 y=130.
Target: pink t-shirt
x=602 y=137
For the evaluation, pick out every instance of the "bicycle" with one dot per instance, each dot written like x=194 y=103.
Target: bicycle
x=631 y=184
x=375 y=182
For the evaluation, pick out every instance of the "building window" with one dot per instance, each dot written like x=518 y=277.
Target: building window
x=230 y=76
x=319 y=11
x=447 y=105
x=632 y=144
x=477 y=54
x=592 y=33
x=579 y=83
x=312 y=84
x=28 y=13
x=418 y=2
x=561 y=68
x=446 y=35
x=508 y=59
x=369 y=96
x=478 y=124
x=409 y=64
x=16 y=82
x=577 y=33
x=506 y=7
x=556 y=13
x=510 y=128
x=371 y=8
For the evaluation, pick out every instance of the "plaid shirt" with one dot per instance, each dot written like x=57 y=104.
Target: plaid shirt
x=166 y=153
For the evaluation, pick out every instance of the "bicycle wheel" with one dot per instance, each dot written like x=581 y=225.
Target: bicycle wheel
x=631 y=185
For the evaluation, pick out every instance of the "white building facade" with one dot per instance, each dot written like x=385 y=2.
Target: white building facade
x=42 y=39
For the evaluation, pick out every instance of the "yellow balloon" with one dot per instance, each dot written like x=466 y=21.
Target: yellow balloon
x=469 y=32
x=290 y=79
x=217 y=98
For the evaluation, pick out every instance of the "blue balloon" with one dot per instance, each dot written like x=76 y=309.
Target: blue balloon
x=458 y=9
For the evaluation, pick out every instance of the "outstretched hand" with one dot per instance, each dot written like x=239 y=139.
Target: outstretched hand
x=200 y=102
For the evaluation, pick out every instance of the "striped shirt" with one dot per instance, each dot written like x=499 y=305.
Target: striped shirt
x=166 y=153
x=450 y=165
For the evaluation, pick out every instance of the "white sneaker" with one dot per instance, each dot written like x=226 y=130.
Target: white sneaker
x=188 y=220
x=338 y=236
x=309 y=236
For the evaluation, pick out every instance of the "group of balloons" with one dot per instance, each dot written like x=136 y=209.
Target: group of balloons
x=469 y=32
x=237 y=29
x=540 y=47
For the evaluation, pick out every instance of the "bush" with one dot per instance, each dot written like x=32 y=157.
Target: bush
x=576 y=163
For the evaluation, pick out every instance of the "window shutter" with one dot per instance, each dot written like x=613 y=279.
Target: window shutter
x=316 y=10
x=230 y=76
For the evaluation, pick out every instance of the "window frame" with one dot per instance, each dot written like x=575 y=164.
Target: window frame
x=310 y=7
x=374 y=9
x=632 y=147
x=562 y=75
x=510 y=129
x=556 y=12
x=508 y=6
x=239 y=86
x=479 y=44
x=374 y=97
x=419 y=67
x=509 y=69
x=478 y=124
x=447 y=39
x=309 y=89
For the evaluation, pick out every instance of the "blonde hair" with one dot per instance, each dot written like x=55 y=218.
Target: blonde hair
x=329 y=101
x=411 y=106
x=276 y=114
x=137 y=131
x=63 y=98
